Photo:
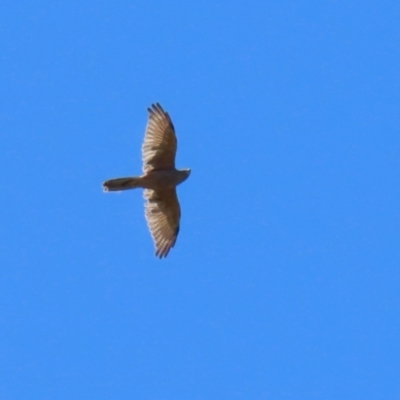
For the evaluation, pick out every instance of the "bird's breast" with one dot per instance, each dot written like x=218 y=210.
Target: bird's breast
x=161 y=179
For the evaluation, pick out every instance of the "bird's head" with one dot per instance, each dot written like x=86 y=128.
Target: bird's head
x=184 y=173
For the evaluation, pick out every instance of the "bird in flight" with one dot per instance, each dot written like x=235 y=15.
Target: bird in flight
x=159 y=180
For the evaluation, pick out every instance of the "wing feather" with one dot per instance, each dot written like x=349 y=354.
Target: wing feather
x=163 y=215
x=159 y=145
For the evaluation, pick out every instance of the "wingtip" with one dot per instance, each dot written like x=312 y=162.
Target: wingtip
x=162 y=252
x=160 y=255
x=155 y=107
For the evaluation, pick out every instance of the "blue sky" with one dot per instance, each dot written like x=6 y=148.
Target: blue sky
x=284 y=283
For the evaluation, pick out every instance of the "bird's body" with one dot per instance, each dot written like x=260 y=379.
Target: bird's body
x=154 y=179
x=159 y=180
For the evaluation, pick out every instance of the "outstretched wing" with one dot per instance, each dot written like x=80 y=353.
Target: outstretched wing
x=163 y=215
x=159 y=146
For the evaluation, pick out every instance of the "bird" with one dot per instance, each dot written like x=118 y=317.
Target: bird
x=159 y=180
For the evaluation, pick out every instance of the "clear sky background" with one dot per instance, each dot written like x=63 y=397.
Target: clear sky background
x=284 y=282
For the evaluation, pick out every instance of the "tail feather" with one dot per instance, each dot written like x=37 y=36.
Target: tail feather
x=114 y=185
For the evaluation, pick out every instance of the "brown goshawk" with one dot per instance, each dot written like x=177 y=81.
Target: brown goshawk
x=159 y=180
